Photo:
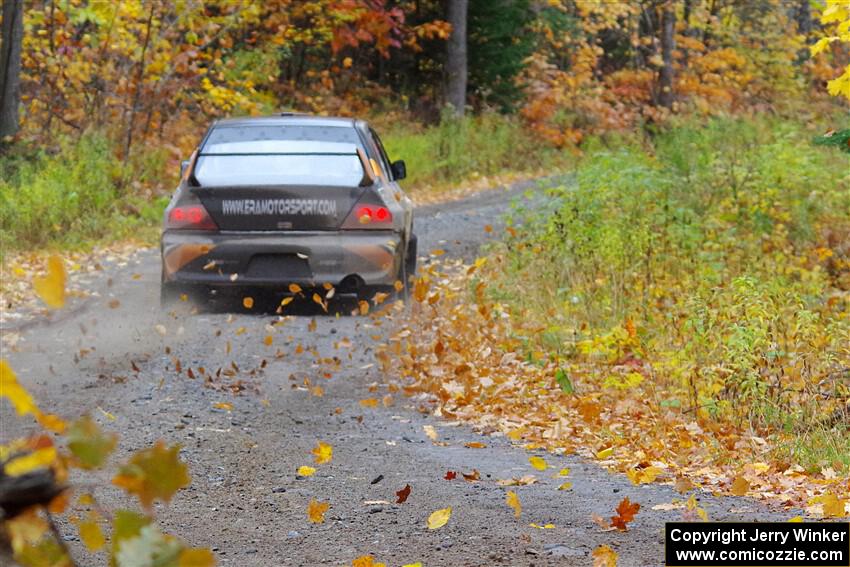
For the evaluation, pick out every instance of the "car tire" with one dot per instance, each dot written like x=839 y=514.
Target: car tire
x=410 y=257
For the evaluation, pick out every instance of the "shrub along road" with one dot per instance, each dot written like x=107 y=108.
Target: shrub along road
x=130 y=361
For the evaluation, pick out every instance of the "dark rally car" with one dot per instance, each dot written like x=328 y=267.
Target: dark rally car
x=290 y=199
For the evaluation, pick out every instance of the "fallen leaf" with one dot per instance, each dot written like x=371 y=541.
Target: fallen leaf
x=114 y=304
x=522 y=481
x=439 y=518
x=626 y=511
x=833 y=506
x=450 y=475
x=538 y=463
x=366 y=560
x=316 y=511
x=644 y=475
x=512 y=500
x=403 y=494
x=564 y=472
x=740 y=486
x=565 y=486
x=605 y=453
x=323 y=453
x=604 y=556
x=369 y=403
x=472 y=477
x=543 y=527
x=268 y=340
x=304 y=470
x=475 y=445
x=430 y=432
x=223 y=405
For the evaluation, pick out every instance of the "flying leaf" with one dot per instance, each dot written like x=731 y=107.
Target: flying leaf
x=604 y=556
x=247 y=302
x=475 y=445
x=40 y=458
x=294 y=288
x=323 y=453
x=439 y=518
x=369 y=403
x=644 y=475
x=605 y=453
x=91 y=534
x=51 y=287
x=366 y=561
x=403 y=494
x=316 y=511
x=450 y=475
x=512 y=500
x=153 y=473
x=10 y=389
x=306 y=471
x=538 y=463
x=626 y=511
x=89 y=444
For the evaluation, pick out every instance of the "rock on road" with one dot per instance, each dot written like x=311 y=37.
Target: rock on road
x=245 y=501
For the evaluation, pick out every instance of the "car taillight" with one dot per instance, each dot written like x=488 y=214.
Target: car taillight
x=191 y=217
x=370 y=214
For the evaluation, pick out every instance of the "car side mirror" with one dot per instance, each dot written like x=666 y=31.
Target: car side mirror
x=184 y=165
x=399 y=169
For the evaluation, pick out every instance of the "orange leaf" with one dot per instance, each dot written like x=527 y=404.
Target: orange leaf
x=626 y=511
x=316 y=511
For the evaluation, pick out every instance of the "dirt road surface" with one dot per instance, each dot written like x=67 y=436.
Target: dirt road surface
x=245 y=500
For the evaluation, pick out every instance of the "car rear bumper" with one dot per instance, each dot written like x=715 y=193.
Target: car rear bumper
x=277 y=259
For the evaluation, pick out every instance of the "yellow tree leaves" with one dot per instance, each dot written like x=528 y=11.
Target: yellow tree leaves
x=155 y=473
x=604 y=556
x=306 y=471
x=538 y=463
x=836 y=17
x=22 y=401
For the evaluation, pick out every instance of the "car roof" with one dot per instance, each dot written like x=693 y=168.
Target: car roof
x=290 y=119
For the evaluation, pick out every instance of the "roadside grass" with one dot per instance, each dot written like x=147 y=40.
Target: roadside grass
x=708 y=267
x=77 y=197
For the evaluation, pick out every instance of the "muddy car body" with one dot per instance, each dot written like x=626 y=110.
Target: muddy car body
x=273 y=201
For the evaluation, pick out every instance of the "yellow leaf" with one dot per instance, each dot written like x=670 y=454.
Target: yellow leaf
x=796 y=519
x=196 y=557
x=439 y=518
x=286 y=301
x=369 y=403
x=91 y=534
x=268 y=340
x=316 y=511
x=565 y=486
x=417 y=564
x=10 y=389
x=366 y=561
x=740 y=486
x=294 y=288
x=223 y=405
x=833 y=506
x=51 y=287
x=543 y=527
x=643 y=476
x=605 y=453
x=538 y=463
x=604 y=556
x=564 y=472
x=475 y=445
x=38 y=459
x=323 y=453
x=306 y=471
x=346 y=62
x=430 y=432
x=248 y=302
x=512 y=500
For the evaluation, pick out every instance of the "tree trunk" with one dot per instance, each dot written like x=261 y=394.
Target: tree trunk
x=11 y=35
x=457 y=51
x=665 y=78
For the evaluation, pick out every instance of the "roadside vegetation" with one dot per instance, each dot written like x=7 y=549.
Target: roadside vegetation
x=678 y=308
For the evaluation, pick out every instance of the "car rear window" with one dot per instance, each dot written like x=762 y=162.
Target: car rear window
x=280 y=155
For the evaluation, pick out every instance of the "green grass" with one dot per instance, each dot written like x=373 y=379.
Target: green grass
x=76 y=197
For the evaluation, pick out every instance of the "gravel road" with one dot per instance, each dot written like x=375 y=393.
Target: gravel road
x=247 y=503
